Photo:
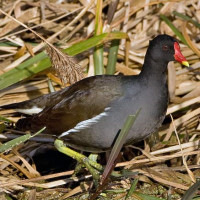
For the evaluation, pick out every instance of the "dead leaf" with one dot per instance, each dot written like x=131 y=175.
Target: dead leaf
x=171 y=81
x=30 y=49
x=25 y=17
x=20 y=53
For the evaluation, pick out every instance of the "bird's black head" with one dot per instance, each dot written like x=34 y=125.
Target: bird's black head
x=165 y=48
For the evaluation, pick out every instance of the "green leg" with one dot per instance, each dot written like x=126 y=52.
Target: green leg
x=79 y=166
x=89 y=164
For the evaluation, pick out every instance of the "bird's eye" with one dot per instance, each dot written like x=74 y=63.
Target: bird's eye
x=165 y=47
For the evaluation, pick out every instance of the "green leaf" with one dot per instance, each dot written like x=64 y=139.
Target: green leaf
x=174 y=29
x=196 y=198
x=8 y=44
x=8 y=197
x=191 y=191
x=98 y=51
x=112 y=57
x=25 y=64
x=5 y=119
x=8 y=145
x=2 y=127
x=128 y=173
x=41 y=62
x=132 y=189
x=94 y=41
x=22 y=74
x=98 y=60
x=186 y=18
x=119 y=143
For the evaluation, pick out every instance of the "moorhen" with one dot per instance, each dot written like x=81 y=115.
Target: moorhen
x=89 y=113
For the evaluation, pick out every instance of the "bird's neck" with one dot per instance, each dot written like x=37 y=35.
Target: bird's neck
x=154 y=68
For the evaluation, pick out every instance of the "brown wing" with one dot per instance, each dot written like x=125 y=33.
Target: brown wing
x=82 y=101
x=43 y=101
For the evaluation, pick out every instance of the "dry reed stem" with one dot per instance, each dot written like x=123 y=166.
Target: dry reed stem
x=184 y=161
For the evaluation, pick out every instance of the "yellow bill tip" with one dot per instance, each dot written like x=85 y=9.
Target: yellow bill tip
x=185 y=63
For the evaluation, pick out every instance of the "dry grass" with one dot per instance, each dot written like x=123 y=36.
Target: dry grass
x=164 y=166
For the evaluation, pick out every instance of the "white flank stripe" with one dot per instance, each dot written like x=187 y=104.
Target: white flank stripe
x=31 y=111
x=86 y=124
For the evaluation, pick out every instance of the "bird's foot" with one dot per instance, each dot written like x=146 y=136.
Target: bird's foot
x=93 y=167
x=79 y=166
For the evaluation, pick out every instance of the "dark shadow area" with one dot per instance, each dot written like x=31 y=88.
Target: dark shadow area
x=48 y=160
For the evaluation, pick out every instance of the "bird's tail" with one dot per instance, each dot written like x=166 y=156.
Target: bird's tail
x=39 y=102
x=12 y=106
x=24 y=124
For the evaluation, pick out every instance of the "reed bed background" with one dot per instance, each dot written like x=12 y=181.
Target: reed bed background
x=168 y=162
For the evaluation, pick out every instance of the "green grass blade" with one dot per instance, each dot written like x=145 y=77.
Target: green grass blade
x=8 y=197
x=8 y=145
x=40 y=131
x=186 y=18
x=119 y=143
x=12 y=44
x=128 y=173
x=2 y=127
x=132 y=189
x=112 y=57
x=94 y=41
x=174 y=29
x=8 y=44
x=98 y=52
x=196 y=198
x=41 y=62
x=98 y=60
x=25 y=64
x=5 y=119
x=22 y=74
x=191 y=191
